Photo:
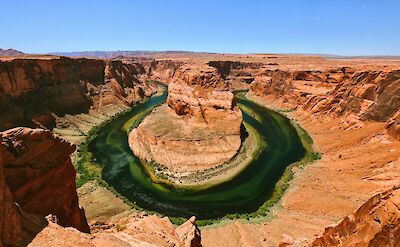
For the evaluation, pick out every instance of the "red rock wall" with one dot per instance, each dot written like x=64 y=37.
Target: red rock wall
x=364 y=95
x=34 y=91
x=128 y=82
x=375 y=223
x=163 y=70
x=39 y=173
x=10 y=220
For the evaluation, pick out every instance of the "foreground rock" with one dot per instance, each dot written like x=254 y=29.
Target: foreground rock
x=37 y=179
x=37 y=92
x=375 y=223
x=357 y=96
x=10 y=219
x=199 y=130
x=189 y=233
x=149 y=231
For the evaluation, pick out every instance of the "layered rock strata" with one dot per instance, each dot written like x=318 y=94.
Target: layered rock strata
x=148 y=231
x=38 y=198
x=355 y=95
x=375 y=223
x=199 y=130
x=10 y=219
x=35 y=92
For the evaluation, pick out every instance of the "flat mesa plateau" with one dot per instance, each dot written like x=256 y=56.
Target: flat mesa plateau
x=349 y=107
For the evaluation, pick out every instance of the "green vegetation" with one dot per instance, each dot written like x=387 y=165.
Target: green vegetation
x=85 y=166
x=88 y=169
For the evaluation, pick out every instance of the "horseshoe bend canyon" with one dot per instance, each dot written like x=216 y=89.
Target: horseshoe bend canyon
x=200 y=123
x=162 y=149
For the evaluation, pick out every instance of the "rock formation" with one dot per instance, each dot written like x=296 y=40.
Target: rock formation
x=200 y=130
x=65 y=86
x=162 y=70
x=148 y=231
x=360 y=95
x=124 y=79
x=375 y=223
x=40 y=177
x=189 y=233
x=393 y=126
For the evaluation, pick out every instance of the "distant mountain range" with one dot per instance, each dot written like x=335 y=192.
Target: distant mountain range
x=11 y=53
x=111 y=54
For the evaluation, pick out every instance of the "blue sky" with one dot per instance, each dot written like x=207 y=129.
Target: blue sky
x=344 y=27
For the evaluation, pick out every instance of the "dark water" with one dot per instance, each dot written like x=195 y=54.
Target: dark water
x=244 y=194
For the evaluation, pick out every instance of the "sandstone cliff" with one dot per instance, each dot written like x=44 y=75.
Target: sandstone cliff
x=201 y=129
x=10 y=219
x=34 y=92
x=148 y=231
x=38 y=176
x=356 y=95
x=126 y=82
x=162 y=70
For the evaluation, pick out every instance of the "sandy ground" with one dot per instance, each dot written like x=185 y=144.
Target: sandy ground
x=355 y=165
x=101 y=204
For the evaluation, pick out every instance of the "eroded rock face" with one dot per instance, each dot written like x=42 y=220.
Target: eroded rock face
x=393 y=126
x=127 y=85
x=34 y=88
x=163 y=70
x=356 y=95
x=149 y=231
x=33 y=92
x=375 y=223
x=181 y=143
x=371 y=95
x=189 y=233
x=10 y=219
x=200 y=130
x=40 y=176
x=201 y=103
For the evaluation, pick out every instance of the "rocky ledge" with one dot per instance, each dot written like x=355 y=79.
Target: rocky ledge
x=38 y=197
x=37 y=178
x=375 y=223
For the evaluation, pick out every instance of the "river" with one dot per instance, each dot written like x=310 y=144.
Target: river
x=245 y=193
